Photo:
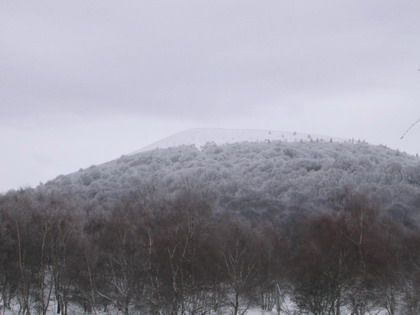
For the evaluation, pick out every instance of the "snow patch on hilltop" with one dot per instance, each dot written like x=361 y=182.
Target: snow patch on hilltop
x=199 y=137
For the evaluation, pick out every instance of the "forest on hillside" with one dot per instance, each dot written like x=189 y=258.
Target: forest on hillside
x=183 y=256
x=315 y=227
x=209 y=157
x=255 y=178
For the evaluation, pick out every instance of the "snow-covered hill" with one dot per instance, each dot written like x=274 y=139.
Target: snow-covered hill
x=255 y=177
x=196 y=185
x=200 y=136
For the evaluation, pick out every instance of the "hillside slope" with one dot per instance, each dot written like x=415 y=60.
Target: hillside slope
x=256 y=177
x=292 y=221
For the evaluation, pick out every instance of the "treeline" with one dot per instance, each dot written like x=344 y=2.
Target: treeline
x=180 y=255
x=259 y=177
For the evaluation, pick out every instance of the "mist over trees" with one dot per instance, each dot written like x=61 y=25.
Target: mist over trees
x=326 y=228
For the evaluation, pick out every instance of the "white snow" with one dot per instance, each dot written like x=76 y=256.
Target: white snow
x=199 y=137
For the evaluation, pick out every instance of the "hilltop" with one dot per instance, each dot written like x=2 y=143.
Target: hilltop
x=201 y=136
x=254 y=177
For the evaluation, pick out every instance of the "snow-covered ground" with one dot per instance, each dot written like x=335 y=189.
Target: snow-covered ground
x=252 y=311
x=199 y=137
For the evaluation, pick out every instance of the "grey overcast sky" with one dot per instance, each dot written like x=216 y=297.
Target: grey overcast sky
x=85 y=81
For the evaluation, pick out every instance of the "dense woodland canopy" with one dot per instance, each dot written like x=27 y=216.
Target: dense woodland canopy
x=323 y=228
x=254 y=178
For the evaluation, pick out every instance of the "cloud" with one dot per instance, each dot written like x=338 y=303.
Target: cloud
x=201 y=58
x=325 y=67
